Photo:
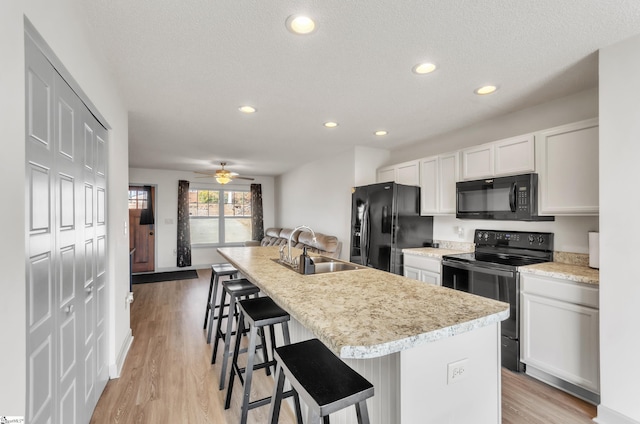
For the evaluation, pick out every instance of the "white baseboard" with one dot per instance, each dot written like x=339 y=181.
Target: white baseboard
x=609 y=416
x=116 y=369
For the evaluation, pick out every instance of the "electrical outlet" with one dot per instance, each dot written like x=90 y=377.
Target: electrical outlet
x=457 y=371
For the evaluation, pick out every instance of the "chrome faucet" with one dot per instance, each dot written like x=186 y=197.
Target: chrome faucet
x=288 y=259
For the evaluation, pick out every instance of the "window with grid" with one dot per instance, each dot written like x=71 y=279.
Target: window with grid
x=219 y=217
x=138 y=198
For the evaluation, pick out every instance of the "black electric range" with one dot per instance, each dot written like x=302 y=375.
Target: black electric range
x=492 y=271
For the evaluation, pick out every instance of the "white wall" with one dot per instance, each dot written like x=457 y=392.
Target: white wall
x=63 y=29
x=620 y=229
x=166 y=212
x=318 y=194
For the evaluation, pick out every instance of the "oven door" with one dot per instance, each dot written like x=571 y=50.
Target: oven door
x=498 y=284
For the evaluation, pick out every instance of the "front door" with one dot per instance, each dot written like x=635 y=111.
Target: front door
x=141 y=233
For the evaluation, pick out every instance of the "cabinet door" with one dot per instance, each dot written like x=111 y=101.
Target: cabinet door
x=386 y=174
x=515 y=155
x=411 y=272
x=408 y=173
x=561 y=339
x=429 y=186
x=568 y=169
x=430 y=277
x=448 y=171
x=478 y=162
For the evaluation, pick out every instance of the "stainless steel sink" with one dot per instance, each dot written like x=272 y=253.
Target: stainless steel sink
x=333 y=266
x=324 y=265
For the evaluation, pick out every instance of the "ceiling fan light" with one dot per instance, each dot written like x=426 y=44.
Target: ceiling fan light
x=223 y=179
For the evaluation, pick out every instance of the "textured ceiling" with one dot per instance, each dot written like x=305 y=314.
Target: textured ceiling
x=184 y=67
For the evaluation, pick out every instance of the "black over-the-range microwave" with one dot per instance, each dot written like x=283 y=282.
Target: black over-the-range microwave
x=513 y=198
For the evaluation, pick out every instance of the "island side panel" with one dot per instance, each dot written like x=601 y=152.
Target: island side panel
x=383 y=372
x=426 y=396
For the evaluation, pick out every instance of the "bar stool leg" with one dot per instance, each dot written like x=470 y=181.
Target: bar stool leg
x=212 y=302
x=227 y=340
x=248 y=376
x=362 y=413
x=276 y=397
x=223 y=298
x=214 y=277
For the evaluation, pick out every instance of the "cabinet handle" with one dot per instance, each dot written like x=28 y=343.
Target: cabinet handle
x=89 y=289
x=69 y=309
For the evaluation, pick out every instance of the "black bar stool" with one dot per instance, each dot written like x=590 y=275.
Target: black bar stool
x=259 y=314
x=325 y=383
x=235 y=289
x=217 y=271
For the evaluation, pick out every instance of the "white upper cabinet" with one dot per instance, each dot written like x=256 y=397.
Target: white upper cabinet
x=511 y=156
x=568 y=169
x=478 y=162
x=515 y=155
x=402 y=173
x=438 y=175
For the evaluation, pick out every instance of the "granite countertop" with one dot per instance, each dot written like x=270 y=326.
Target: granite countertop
x=431 y=252
x=571 y=272
x=365 y=313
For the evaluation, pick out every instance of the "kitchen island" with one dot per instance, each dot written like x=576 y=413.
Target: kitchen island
x=433 y=354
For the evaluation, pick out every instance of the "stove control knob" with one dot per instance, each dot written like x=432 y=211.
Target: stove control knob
x=540 y=239
x=486 y=236
x=531 y=238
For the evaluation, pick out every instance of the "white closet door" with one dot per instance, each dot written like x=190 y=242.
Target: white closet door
x=40 y=267
x=67 y=249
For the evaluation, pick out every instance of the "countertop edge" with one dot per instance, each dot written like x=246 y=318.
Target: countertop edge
x=367 y=352
x=574 y=273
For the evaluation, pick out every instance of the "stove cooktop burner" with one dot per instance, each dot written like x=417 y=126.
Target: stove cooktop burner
x=507 y=249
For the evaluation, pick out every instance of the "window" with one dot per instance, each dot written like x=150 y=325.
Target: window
x=138 y=198
x=219 y=216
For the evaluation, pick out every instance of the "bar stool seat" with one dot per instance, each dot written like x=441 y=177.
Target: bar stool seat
x=235 y=289
x=323 y=381
x=217 y=271
x=259 y=313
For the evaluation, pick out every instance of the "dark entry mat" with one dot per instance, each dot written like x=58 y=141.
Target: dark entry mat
x=157 y=277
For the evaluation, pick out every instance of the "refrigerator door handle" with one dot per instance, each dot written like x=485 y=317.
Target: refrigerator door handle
x=365 y=235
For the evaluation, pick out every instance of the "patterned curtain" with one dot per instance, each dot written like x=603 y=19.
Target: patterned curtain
x=184 y=229
x=257 y=226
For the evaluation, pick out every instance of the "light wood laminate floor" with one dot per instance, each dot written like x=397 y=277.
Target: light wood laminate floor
x=167 y=376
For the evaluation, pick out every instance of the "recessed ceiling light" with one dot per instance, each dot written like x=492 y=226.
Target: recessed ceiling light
x=424 y=68
x=487 y=89
x=330 y=124
x=380 y=133
x=247 y=109
x=299 y=24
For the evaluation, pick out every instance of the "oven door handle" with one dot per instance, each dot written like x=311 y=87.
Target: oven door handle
x=478 y=268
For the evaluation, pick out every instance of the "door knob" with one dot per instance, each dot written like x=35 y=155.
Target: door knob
x=150 y=233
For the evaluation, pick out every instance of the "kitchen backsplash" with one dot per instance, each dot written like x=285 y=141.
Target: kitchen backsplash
x=456 y=245
x=581 y=259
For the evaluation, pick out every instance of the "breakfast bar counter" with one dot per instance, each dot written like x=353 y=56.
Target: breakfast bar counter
x=405 y=336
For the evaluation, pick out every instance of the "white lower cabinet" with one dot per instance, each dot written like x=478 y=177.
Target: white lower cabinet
x=560 y=335
x=422 y=268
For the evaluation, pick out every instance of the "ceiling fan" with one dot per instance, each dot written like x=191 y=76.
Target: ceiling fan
x=223 y=176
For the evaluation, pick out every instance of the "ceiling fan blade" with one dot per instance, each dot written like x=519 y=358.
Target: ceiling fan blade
x=208 y=174
x=242 y=178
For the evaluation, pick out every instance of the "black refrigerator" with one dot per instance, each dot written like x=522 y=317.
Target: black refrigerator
x=385 y=218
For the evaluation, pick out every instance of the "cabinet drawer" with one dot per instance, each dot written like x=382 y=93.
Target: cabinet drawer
x=423 y=262
x=564 y=290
